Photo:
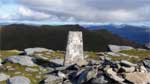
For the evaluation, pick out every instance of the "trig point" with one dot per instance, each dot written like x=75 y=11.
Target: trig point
x=74 y=50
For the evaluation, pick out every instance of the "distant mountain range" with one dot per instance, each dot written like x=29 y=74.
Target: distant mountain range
x=139 y=34
x=21 y=36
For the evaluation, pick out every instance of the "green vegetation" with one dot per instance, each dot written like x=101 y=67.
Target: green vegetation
x=136 y=55
x=139 y=53
x=91 y=55
x=7 y=53
x=19 y=70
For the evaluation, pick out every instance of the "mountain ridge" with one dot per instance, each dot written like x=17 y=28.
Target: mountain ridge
x=55 y=37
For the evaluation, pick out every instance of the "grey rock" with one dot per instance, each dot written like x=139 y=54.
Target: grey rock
x=31 y=69
x=57 y=61
x=99 y=80
x=146 y=63
x=127 y=64
x=147 y=45
x=143 y=69
x=18 y=80
x=113 y=75
x=0 y=62
x=116 y=48
x=52 y=79
x=85 y=75
x=138 y=77
x=31 y=51
x=3 y=77
x=23 y=60
x=128 y=69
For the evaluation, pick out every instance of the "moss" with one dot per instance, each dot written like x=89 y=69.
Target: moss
x=3 y=82
x=7 y=53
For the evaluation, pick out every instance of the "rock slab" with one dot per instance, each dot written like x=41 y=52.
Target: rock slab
x=19 y=80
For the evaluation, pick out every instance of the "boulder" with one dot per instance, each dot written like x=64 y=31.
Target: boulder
x=18 y=80
x=143 y=69
x=23 y=60
x=52 y=79
x=85 y=75
x=116 y=48
x=31 y=51
x=57 y=61
x=113 y=75
x=3 y=77
x=127 y=64
x=0 y=62
x=138 y=77
x=128 y=69
x=146 y=63
x=147 y=45
x=99 y=80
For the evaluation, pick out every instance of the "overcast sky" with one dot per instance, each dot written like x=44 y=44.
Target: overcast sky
x=75 y=11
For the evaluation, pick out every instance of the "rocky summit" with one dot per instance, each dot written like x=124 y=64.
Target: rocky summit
x=45 y=66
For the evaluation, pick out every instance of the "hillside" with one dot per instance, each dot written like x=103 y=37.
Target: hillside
x=20 y=36
x=139 y=34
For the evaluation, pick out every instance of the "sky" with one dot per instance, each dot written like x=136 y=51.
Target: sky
x=75 y=11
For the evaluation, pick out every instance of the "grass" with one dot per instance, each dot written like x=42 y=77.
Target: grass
x=137 y=55
x=91 y=55
x=7 y=53
x=21 y=69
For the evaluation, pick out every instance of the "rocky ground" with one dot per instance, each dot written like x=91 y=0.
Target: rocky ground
x=45 y=66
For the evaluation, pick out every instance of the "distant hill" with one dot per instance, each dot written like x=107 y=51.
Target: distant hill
x=20 y=36
x=139 y=34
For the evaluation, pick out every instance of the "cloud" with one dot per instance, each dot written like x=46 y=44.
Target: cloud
x=25 y=12
x=84 y=10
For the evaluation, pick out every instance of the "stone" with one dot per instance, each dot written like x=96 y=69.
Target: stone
x=31 y=69
x=74 y=50
x=52 y=79
x=113 y=75
x=99 y=80
x=85 y=75
x=31 y=51
x=0 y=62
x=113 y=53
x=147 y=45
x=128 y=69
x=57 y=61
x=138 y=77
x=18 y=80
x=127 y=64
x=116 y=48
x=143 y=69
x=146 y=63
x=23 y=60
x=3 y=77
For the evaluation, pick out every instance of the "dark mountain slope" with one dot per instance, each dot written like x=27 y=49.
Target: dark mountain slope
x=139 y=34
x=55 y=37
